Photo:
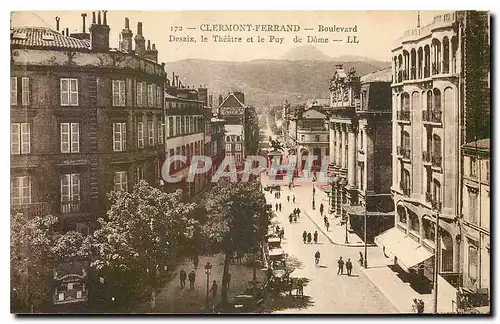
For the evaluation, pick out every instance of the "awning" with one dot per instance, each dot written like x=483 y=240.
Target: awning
x=408 y=252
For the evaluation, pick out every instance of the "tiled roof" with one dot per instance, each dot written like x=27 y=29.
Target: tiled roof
x=384 y=75
x=44 y=37
x=483 y=144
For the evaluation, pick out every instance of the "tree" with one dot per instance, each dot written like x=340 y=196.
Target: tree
x=237 y=220
x=144 y=231
x=30 y=262
x=252 y=130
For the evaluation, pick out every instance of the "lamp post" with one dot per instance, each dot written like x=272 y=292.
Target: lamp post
x=436 y=259
x=313 y=202
x=366 y=245
x=208 y=269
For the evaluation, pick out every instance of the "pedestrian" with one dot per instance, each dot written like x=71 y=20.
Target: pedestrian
x=196 y=261
x=309 y=237
x=315 y=237
x=313 y=205
x=317 y=255
x=325 y=219
x=182 y=278
x=321 y=208
x=282 y=233
x=304 y=236
x=288 y=198
x=228 y=279
x=327 y=225
x=192 y=278
x=276 y=206
x=290 y=218
x=213 y=289
x=279 y=206
x=361 y=259
x=340 y=263
x=348 y=267
x=420 y=306
x=295 y=218
x=298 y=211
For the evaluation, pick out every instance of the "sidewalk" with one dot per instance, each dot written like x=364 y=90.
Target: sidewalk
x=173 y=299
x=390 y=283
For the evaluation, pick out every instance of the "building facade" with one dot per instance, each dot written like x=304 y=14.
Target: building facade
x=85 y=120
x=475 y=223
x=435 y=108
x=233 y=110
x=361 y=135
x=184 y=113
x=312 y=138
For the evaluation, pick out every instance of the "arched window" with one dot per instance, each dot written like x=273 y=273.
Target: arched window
x=406 y=182
x=429 y=101
x=228 y=139
x=420 y=62
x=238 y=138
x=413 y=62
x=406 y=72
x=427 y=61
x=446 y=251
x=436 y=50
x=429 y=228
x=402 y=214
x=400 y=68
x=436 y=150
x=446 y=55
x=437 y=100
x=414 y=222
x=436 y=194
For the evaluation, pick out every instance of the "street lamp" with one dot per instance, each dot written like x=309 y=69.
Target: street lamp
x=208 y=269
x=366 y=245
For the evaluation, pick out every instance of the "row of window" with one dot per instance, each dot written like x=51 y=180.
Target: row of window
x=188 y=151
x=70 y=136
x=229 y=147
x=149 y=95
x=237 y=157
x=182 y=105
x=183 y=125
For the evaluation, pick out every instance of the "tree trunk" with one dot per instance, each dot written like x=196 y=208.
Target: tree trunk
x=224 y=297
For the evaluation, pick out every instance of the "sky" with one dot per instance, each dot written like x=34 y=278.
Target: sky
x=376 y=31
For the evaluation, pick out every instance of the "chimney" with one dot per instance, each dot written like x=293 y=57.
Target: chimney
x=140 y=42
x=57 y=23
x=99 y=34
x=105 y=19
x=220 y=100
x=83 y=21
x=173 y=79
x=151 y=53
x=126 y=38
x=67 y=31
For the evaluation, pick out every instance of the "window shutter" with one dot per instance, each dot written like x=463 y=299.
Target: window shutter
x=65 y=179
x=116 y=137
x=64 y=92
x=64 y=138
x=74 y=92
x=75 y=137
x=124 y=136
x=16 y=191
x=15 y=138
x=13 y=90
x=25 y=89
x=26 y=190
x=75 y=187
x=25 y=138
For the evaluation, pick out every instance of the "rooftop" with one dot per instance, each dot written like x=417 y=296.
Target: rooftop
x=45 y=37
x=313 y=114
x=233 y=129
x=384 y=75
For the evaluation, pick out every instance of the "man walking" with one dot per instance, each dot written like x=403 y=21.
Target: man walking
x=348 y=267
x=340 y=263
x=276 y=206
x=288 y=198
x=315 y=237
x=213 y=289
x=304 y=236
x=325 y=219
x=192 y=278
x=279 y=206
x=294 y=199
x=327 y=225
x=182 y=278
x=196 y=260
x=321 y=208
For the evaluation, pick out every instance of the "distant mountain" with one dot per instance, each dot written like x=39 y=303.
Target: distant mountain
x=266 y=82
x=305 y=53
x=353 y=58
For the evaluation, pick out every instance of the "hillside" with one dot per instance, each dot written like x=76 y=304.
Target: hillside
x=265 y=82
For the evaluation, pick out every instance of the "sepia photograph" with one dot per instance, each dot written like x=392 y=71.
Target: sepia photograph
x=250 y=162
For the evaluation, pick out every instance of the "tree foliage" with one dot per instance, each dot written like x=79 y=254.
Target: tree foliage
x=30 y=262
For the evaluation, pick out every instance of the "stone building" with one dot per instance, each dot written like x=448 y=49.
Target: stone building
x=85 y=120
x=360 y=142
x=440 y=88
x=233 y=110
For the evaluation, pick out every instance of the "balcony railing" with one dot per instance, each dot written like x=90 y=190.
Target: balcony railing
x=436 y=160
x=432 y=116
x=70 y=207
x=404 y=151
x=403 y=115
x=405 y=188
x=426 y=157
x=436 y=205
x=34 y=209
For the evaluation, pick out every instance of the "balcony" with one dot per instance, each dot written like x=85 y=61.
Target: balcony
x=70 y=207
x=403 y=115
x=436 y=205
x=405 y=188
x=426 y=157
x=34 y=209
x=404 y=152
x=432 y=116
x=436 y=160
